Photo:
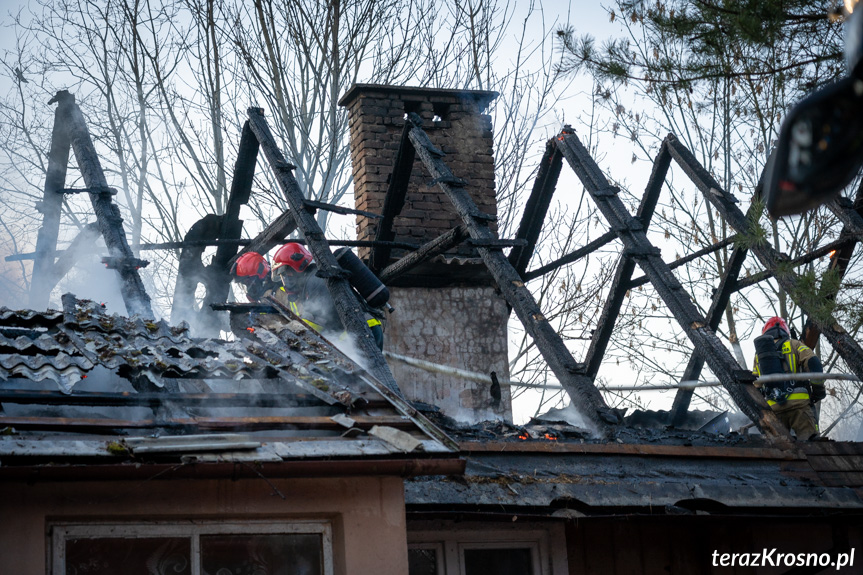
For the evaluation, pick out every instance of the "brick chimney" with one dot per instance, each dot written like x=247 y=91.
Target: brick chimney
x=447 y=311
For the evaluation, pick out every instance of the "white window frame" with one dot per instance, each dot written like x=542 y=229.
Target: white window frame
x=547 y=543
x=193 y=530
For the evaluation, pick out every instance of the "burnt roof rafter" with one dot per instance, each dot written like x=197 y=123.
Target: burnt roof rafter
x=71 y=134
x=632 y=233
x=838 y=337
x=584 y=394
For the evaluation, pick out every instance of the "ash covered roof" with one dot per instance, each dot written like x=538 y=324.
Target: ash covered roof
x=83 y=385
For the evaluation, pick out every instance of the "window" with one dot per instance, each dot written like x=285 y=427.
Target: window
x=193 y=548
x=446 y=548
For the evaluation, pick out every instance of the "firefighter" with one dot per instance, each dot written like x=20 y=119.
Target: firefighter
x=253 y=272
x=307 y=294
x=792 y=401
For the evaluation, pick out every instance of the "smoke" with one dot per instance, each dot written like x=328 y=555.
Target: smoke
x=570 y=415
x=90 y=279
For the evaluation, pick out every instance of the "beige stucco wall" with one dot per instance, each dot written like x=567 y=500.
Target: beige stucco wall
x=367 y=513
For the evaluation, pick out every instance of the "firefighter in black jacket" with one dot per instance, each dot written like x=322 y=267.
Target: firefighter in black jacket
x=792 y=401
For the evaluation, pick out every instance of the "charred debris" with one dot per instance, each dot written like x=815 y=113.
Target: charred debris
x=278 y=378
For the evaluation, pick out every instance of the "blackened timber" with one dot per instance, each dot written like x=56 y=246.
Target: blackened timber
x=270 y=237
x=583 y=393
x=815 y=254
x=246 y=242
x=191 y=270
x=625 y=268
x=218 y=278
x=339 y=209
x=537 y=207
x=394 y=201
x=427 y=251
x=128 y=399
x=631 y=232
x=107 y=213
x=718 y=305
x=571 y=257
x=838 y=337
x=66 y=260
x=52 y=202
x=839 y=259
x=347 y=306
x=686 y=259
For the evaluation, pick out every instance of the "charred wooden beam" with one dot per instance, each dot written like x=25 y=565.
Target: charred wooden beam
x=537 y=207
x=339 y=209
x=100 y=425
x=852 y=216
x=245 y=242
x=626 y=266
x=571 y=257
x=349 y=310
x=631 y=232
x=686 y=259
x=841 y=341
x=815 y=254
x=128 y=399
x=270 y=237
x=191 y=270
x=394 y=201
x=52 y=202
x=219 y=277
x=425 y=252
x=585 y=396
x=107 y=213
x=718 y=305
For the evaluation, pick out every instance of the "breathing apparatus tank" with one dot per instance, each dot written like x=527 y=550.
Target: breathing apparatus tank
x=770 y=362
x=363 y=280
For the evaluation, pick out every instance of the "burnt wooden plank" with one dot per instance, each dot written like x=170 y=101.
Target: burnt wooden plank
x=425 y=252
x=218 y=278
x=838 y=337
x=841 y=478
x=52 y=202
x=571 y=257
x=339 y=209
x=840 y=258
x=349 y=309
x=718 y=304
x=836 y=462
x=191 y=270
x=623 y=274
x=271 y=236
x=584 y=394
x=323 y=423
x=689 y=258
x=209 y=399
x=831 y=448
x=107 y=213
x=537 y=207
x=394 y=201
x=631 y=232
x=637 y=449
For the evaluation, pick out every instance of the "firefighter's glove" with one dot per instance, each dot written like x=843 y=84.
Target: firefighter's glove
x=819 y=392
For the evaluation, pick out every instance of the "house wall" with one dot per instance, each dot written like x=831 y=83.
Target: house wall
x=367 y=513
x=462 y=327
x=685 y=544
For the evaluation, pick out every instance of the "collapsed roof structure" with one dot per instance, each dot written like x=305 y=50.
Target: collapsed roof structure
x=139 y=399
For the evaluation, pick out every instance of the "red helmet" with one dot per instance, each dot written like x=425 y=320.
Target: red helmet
x=773 y=322
x=294 y=256
x=250 y=264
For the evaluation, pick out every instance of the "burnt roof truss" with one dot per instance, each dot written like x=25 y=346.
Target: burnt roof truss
x=71 y=134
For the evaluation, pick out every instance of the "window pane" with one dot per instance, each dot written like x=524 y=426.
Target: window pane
x=497 y=562
x=145 y=556
x=422 y=562
x=296 y=554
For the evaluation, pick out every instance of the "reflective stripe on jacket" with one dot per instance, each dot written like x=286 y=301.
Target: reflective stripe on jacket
x=794 y=353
